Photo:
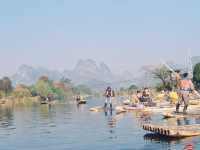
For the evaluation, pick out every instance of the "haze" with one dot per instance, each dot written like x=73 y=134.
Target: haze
x=124 y=34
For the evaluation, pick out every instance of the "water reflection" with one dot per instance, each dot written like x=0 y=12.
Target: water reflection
x=108 y=112
x=169 y=143
x=157 y=137
x=183 y=121
x=143 y=117
x=111 y=122
x=197 y=120
x=6 y=117
x=166 y=142
x=67 y=125
x=46 y=111
x=80 y=108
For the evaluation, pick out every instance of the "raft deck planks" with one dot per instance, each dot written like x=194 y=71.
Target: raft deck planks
x=173 y=131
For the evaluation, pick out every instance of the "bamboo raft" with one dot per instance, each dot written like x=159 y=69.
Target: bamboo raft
x=180 y=115
x=97 y=109
x=173 y=131
x=100 y=109
x=48 y=103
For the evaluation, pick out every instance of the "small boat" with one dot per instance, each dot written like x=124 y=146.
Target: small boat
x=97 y=109
x=82 y=102
x=44 y=102
x=120 y=109
x=123 y=109
x=136 y=107
x=47 y=102
x=127 y=102
x=100 y=109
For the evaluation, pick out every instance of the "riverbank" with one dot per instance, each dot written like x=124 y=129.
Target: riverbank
x=19 y=101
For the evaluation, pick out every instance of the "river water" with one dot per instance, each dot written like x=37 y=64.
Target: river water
x=68 y=127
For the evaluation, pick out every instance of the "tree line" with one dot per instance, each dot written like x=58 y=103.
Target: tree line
x=44 y=87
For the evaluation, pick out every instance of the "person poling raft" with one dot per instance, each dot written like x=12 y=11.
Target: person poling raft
x=109 y=94
x=185 y=87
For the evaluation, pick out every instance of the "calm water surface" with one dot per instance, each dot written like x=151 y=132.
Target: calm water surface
x=68 y=127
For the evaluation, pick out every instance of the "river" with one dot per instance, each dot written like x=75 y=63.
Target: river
x=68 y=127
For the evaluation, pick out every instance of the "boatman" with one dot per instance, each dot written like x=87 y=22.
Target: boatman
x=185 y=87
x=109 y=93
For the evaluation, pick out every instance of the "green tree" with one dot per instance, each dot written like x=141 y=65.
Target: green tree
x=58 y=90
x=33 y=90
x=59 y=94
x=196 y=75
x=43 y=88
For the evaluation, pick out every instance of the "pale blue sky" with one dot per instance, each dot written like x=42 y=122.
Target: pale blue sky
x=125 y=34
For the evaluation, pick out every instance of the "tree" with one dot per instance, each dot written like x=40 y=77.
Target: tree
x=33 y=90
x=132 y=87
x=44 y=78
x=196 y=75
x=164 y=75
x=43 y=88
x=21 y=91
x=59 y=94
x=6 y=85
x=67 y=84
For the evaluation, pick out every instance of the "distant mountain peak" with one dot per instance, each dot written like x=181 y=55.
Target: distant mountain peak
x=29 y=75
x=87 y=71
x=103 y=66
x=25 y=67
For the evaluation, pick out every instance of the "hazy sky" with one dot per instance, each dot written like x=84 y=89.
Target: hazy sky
x=125 y=34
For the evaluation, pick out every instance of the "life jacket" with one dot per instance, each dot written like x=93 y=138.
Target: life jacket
x=108 y=93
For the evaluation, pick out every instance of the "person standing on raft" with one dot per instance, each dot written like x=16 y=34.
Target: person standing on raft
x=109 y=93
x=185 y=87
